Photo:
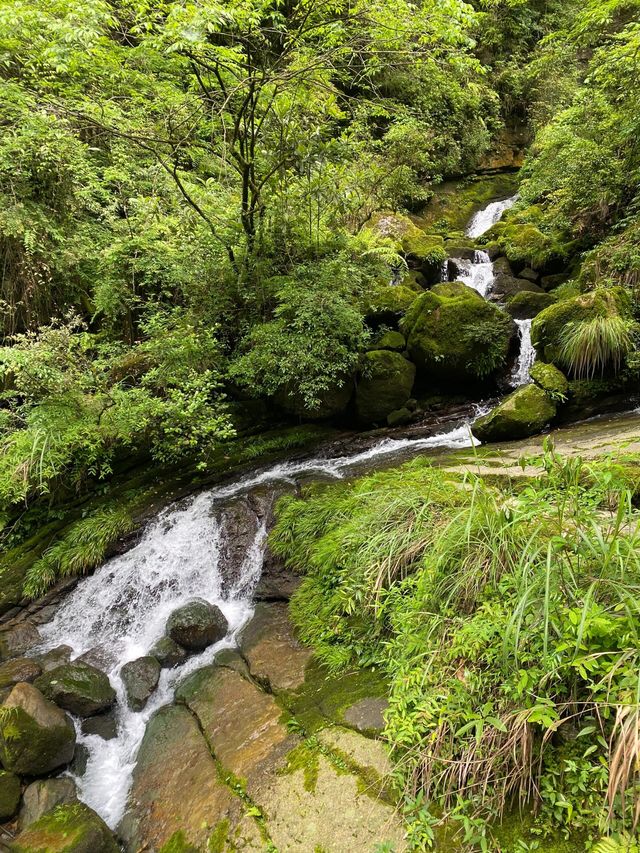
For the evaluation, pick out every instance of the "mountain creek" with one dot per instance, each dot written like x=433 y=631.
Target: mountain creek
x=235 y=737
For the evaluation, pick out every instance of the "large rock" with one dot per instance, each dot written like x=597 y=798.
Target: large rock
x=78 y=687
x=9 y=794
x=506 y=286
x=550 y=379
x=197 y=625
x=276 y=658
x=176 y=786
x=384 y=386
x=140 y=678
x=548 y=327
x=422 y=251
x=525 y=412
x=20 y=669
x=168 y=653
x=385 y=304
x=73 y=828
x=44 y=795
x=526 y=305
x=35 y=735
x=18 y=639
x=454 y=335
x=391 y=340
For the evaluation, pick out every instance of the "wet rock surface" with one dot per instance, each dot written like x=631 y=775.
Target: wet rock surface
x=42 y=796
x=140 y=678
x=17 y=670
x=78 y=687
x=168 y=653
x=276 y=658
x=9 y=794
x=197 y=625
x=73 y=828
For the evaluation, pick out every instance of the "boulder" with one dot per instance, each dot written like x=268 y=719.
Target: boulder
x=140 y=678
x=104 y=725
x=55 y=657
x=550 y=282
x=385 y=384
x=525 y=412
x=550 y=379
x=36 y=736
x=501 y=266
x=391 y=340
x=78 y=687
x=44 y=795
x=168 y=653
x=19 y=669
x=548 y=327
x=528 y=304
x=387 y=303
x=9 y=794
x=399 y=417
x=423 y=251
x=70 y=828
x=276 y=657
x=197 y=625
x=505 y=286
x=530 y=275
x=18 y=639
x=454 y=335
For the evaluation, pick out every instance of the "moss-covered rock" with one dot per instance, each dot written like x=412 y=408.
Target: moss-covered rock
x=77 y=687
x=197 y=625
x=548 y=327
x=550 y=379
x=140 y=678
x=423 y=251
x=71 y=828
x=168 y=653
x=387 y=303
x=453 y=334
x=505 y=286
x=454 y=202
x=35 y=735
x=525 y=412
x=17 y=670
x=9 y=794
x=394 y=341
x=331 y=402
x=44 y=795
x=528 y=304
x=385 y=385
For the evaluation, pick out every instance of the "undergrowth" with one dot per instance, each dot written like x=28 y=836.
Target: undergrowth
x=508 y=623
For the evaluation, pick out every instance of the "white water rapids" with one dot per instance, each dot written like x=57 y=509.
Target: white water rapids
x=486 y=218
x=120 y=611
x=526 y=356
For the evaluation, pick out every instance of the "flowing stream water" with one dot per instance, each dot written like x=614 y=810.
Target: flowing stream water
x=118 y=613
x=526 y=355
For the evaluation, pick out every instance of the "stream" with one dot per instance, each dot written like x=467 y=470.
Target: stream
x=116 y=615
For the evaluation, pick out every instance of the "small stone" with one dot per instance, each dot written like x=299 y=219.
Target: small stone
x=197 y=625
x=104 y=725
x=78 y=687
x=367 y=715
x=168 y=653
x=69 y=828
x=9 y=794
x=44 y=795
x=17 y=670
x=36 y=736
x=140 y=678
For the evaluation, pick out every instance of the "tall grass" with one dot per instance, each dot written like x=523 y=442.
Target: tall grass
x=596 y=345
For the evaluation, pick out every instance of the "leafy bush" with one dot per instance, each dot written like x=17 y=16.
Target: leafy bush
x=596 y=345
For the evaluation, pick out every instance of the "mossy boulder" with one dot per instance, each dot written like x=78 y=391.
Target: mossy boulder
x=524 y=243
x=197 y=625
x=78 y=687
x=385 y=385
x=453 y=334
x=73 y=828
x=44 y=795
x=423 y=251
x=525 y=412
x=36 y=736
x=168 y=653
x=505 y=286
x=548 y=327
x=550 y=379
x=387 y=303
x=394 y=341
x=9 y=794
x=140 y=678
x=527 y=304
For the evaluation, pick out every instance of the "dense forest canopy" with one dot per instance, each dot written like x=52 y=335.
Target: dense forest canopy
x=191 y=192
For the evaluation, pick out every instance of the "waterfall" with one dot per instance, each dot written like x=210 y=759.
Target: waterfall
x=477 y=273
x=526 y=356
x=486 y=218
x=119 y=612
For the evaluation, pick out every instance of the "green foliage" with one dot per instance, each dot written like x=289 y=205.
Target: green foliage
x=508 y=625
x=596 y=345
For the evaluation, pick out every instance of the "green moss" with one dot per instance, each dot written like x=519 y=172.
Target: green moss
x=453 y=334
x=523 y=413
x=550 y=379
x=409 y=238
x=387 y=303
x=9 y=794
x=77 y=687
x=67 y=829
x=306 y=757
x=385 y=385
x=179 y=843
x=528 y=304
x=26 y=748
x=391 y=340
x=218 y=838
x=549 y=325
x=454 y=203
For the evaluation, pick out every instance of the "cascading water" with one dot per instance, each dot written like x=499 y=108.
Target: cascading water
x=118 y=613
x=526 y=356
x=477 y=273
x=486 y=218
